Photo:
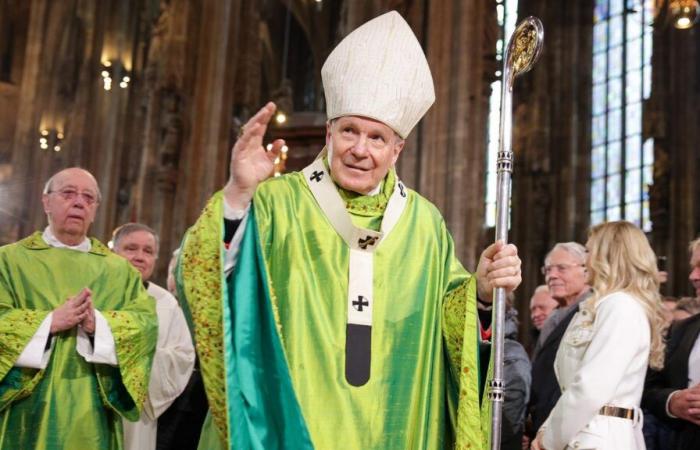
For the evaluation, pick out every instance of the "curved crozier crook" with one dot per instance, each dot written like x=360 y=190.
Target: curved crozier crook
x=525 y=46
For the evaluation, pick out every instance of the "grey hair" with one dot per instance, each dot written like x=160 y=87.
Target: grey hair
x=575 y=249
x=124 y=230
x=49 y=183
x=541 y=288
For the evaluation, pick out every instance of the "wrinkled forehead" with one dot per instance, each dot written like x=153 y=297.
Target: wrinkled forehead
x=367 y=123
x=562 y=256
x=138 y=237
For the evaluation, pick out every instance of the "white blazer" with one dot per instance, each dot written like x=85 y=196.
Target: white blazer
x=602 y=360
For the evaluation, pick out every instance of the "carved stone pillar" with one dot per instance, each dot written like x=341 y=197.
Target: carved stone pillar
x=204 y=162
x=672 y=119
x=54 y=88
x=158 y=156
x=551 y=141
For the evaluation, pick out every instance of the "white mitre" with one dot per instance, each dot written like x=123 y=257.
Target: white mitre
x=379 y=71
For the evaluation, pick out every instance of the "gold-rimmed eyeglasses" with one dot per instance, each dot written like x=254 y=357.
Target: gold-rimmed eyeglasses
x=88 y=197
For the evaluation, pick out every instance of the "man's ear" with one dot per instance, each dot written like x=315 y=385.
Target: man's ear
x=328 y=132
x=45 y=202
x=397 y=149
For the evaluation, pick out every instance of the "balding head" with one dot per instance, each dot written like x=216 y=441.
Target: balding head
x=71 y=172
x=70 y=201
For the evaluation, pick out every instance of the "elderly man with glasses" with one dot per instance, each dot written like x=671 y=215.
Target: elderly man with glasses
x=565 y=274
x=77 y=330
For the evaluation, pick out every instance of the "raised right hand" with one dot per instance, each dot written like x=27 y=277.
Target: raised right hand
x=251 y=164
x=72 y=312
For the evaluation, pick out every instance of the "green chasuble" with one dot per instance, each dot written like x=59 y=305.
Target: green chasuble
x=271 y=336
x=71 y=404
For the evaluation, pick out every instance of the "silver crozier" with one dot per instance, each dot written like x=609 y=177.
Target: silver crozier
x=521 y=53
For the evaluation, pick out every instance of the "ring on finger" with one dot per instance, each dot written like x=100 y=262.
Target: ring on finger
x=241 y=131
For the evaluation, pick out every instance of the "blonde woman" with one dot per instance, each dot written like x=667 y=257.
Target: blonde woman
x=603 y=357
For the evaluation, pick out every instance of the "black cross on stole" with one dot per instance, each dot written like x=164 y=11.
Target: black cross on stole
x=316 y=176
x=359 y=303
x=366 y=242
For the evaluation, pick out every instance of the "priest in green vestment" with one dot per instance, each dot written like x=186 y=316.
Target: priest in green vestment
x=328 y=307
x=77 y=330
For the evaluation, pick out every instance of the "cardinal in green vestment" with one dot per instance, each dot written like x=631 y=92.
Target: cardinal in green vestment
x=77 y=330
x=328 y=307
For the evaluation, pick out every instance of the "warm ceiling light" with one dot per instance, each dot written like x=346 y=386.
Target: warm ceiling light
x=684 y=13
x=281 y=117
x=50 y=138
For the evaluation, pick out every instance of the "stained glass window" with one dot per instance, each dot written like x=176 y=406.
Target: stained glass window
x=621 y=162
x=506 y=11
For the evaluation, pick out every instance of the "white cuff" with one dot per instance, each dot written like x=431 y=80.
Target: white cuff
x=231 y=213
x=35 y=355
x=668 y=404
x=104 y=351
x=231 y=253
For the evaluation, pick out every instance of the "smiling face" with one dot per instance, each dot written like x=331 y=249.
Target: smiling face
x=70 y=204
x=363 y=151
x=141 y=249
x=566 y=277
x=541 y=306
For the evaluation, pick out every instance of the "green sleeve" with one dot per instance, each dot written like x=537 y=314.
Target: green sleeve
x=135 y=330
x=17 y=326
x=470 y=417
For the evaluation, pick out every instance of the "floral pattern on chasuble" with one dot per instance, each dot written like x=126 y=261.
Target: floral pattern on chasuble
x=130 y=348
x=202 y=275
x=370 y=205
x=460 y=327
x=17 y=382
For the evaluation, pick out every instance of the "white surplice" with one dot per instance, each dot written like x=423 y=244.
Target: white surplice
x=173 y=363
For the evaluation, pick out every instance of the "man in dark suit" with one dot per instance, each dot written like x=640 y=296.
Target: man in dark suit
x=565 y=275
x=674 y=392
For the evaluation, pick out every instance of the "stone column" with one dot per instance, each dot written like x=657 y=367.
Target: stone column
x=672 y=118
x=551 y=141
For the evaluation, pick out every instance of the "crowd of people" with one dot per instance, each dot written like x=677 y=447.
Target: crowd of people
x=328 y=309
x=570 y=313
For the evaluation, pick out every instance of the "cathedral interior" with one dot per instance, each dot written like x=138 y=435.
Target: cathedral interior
x=149 y=95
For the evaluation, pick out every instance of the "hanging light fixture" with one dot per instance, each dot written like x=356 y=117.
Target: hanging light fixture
x=50 y=138
x=684 y=13
x=113 y=71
